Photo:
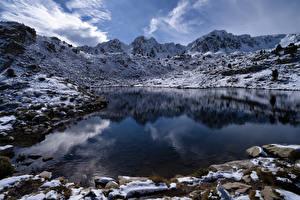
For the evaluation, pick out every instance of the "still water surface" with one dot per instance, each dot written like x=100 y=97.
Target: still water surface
x=168 y=131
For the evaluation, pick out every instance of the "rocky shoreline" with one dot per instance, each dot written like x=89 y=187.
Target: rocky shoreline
x=273 y=172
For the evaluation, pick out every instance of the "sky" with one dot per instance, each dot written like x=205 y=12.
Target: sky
x=89 y=22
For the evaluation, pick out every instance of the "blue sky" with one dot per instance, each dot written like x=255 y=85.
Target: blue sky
x=89 y=22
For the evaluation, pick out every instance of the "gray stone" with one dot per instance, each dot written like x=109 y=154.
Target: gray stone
x=45 y=174
x=269 y=194
x=241 y=164
x=247 y=179
x=255 y=151
x=102 y=181
x=279 y=151
x=111 y=185
x=240 y=188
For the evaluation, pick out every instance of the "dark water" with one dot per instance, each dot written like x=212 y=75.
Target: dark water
x=168 y=131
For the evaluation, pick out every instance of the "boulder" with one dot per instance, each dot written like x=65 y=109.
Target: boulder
x=236 y=187
x=283 y=151
x=6 y=150
x=255 y=151
x=45 y=174
x=241 y=164
x=111 y=185
x=102 y=181
x=269 y=194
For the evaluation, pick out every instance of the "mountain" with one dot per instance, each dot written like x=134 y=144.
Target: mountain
x=145 y=62
x=221 y=41
x=112 y=46
x=150 y=47
x=215 y=41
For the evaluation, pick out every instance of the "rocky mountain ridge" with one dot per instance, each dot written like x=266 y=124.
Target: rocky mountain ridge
x=215 y=41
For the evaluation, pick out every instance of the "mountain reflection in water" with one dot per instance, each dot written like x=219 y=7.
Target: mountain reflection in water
x=169 y=131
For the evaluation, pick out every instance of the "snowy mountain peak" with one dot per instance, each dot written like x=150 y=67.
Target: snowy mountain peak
x=220 y=40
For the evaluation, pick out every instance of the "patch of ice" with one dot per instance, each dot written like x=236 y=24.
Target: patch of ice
x=53 y=183
x=11 y=181
x=254 y=176
x=288 y=195
x=138 y=187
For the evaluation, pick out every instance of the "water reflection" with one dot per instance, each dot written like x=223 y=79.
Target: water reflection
x=168 y=131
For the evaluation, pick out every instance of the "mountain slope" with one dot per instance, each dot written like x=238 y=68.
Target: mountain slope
x=119 y=66
x=222 y=41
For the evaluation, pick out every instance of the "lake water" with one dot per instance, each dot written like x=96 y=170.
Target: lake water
x=166 y=132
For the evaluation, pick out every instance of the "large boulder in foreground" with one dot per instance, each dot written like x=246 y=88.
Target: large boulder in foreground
x=283 y=151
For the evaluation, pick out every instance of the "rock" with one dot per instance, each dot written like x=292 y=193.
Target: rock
x=255 y=151
x=21 y=157
x=6 y=168
x=241 y=164
x=127 y=179
x=283 y=151
x=247 y=179
x=34 y=156
x=45 y=174
x=269 y=194
x=6 y=150
x=236 y=187
x=102 y=181
x=111 y=185
x=47 y=159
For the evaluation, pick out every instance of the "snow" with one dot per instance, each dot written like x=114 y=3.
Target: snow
x=39 y=196
x=254 y=176
x=11 y=181
x=287 y=146
x=236 y=175
x=53 y=183
x=5 y=147
x=173 y=185
x=103 y=180
x=258 y=195
x=190 y=180
x=288 y=195
x=138 y=187
x=283 y=179
x=51 y=195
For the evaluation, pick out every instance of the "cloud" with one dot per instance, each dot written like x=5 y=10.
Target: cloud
x=190 y=19
x=49 y=19
x=179 y=21
x=93 y=10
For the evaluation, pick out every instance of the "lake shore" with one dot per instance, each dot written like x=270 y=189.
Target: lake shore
x=273 y=172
